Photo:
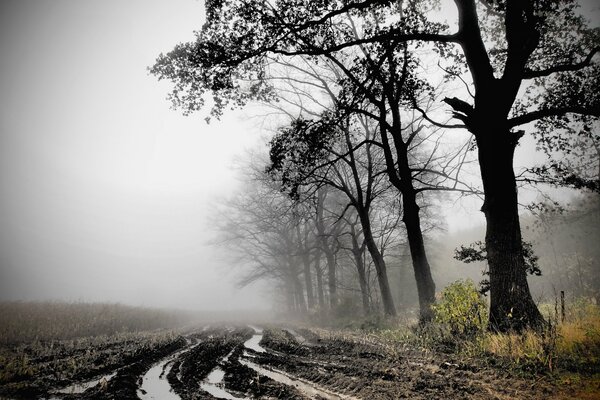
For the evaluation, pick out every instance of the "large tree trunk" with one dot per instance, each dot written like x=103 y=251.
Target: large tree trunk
x=511 y=304
x=425 y=284
x=382 y=278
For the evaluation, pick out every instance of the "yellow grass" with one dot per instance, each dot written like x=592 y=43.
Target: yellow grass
x=572 y=345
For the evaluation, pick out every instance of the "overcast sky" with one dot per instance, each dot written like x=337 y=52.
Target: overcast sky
x=105 y=190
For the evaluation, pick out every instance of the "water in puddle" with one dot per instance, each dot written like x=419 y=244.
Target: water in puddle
x=214 y=386
x=214 y=383
x=307 y=389
x=253 y=343
x=155 y=385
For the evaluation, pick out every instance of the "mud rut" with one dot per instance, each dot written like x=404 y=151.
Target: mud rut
x=247 y=363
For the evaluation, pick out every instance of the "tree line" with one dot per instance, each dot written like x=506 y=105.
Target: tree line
x=377 y=98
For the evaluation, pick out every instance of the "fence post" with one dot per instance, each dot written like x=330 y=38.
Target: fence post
x=562 y=305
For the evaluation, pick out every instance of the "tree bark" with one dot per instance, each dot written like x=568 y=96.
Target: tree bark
x=511 y=304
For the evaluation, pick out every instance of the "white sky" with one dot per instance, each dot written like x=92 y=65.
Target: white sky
x=105 y=190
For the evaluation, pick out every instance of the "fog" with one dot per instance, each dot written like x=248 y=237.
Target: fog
x=105 y=190
x=107 y=193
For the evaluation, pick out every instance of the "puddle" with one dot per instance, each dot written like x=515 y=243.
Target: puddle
x=306 y=388
x=81 y=387
x=214 y=383
x=155 y=385
x=253 y=342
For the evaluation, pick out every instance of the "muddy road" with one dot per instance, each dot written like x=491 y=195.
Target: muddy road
x=277 y=363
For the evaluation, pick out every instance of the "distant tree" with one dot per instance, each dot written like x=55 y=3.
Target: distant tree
x=566 y=237
x=258 y=227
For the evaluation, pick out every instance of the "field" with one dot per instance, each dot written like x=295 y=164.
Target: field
x=135 y=359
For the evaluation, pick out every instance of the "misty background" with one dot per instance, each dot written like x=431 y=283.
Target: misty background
x=106 y=192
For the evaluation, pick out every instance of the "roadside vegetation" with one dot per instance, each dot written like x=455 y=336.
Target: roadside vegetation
x=565 y=352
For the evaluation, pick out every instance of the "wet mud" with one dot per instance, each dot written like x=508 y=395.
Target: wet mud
x=295 y=364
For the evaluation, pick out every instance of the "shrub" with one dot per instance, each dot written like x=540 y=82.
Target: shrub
x=462 y=308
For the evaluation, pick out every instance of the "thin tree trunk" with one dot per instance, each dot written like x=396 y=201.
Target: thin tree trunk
x=289 y=295
x=425 y=284
x=319 y=273
x=401 y=176
x=357 y=252
x=300 y=302
x=331 y=283
x=380 y=267
x=308 y=281
x=305 y=254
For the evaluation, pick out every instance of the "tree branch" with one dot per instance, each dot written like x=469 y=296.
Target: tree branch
x=531 y=74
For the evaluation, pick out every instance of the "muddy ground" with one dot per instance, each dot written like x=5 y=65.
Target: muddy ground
x=278 y=363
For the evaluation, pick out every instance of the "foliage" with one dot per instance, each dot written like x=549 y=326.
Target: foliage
x=299 y=149
x=563 y=349
x=461 y=308
x=476 y=252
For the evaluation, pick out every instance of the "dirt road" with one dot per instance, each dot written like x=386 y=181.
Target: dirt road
x=277 y=363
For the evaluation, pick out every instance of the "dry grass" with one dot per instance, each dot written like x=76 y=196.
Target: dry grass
x=572 y=345
x=26 y=322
